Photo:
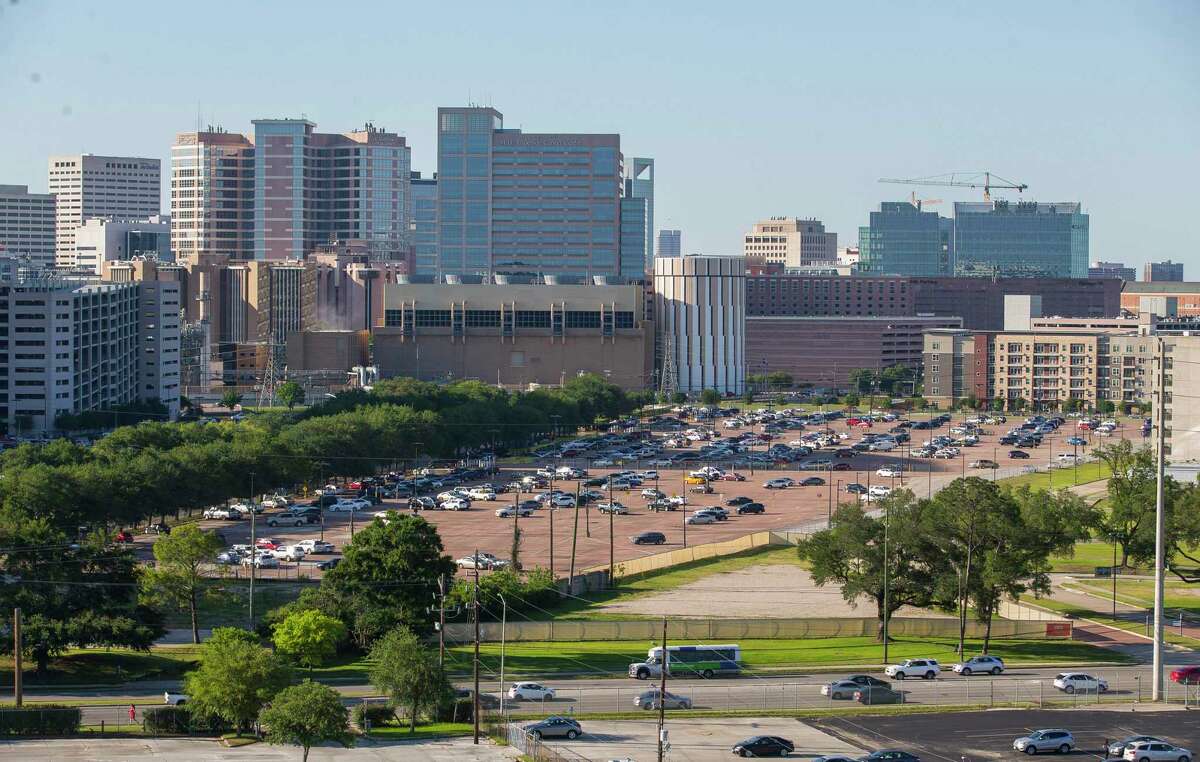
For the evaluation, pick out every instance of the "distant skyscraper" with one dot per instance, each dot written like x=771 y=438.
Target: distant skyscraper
x=904 y=240
x=1112 y=270
x=791 y=242
x=27 y=226
x=288 y=189
x=634 y=246
x=86 y=186
x=1024 y=239
x=424 y=224
x=639 y=183
x=669 y=243
x=510 y=201
x=1168 y=271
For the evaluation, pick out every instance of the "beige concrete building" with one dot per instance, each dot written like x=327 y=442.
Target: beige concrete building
x=86 y=186
x=335 y=352
x=1181 y=401
x=791 y=242
x=515 y=334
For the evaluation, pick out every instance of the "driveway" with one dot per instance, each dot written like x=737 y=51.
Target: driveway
x=203 y=750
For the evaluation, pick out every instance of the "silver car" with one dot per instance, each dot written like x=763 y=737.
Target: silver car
x=1117 y=748
x=650 y=700
x=555 y=727
x=1156 y=751
x=1038 y=741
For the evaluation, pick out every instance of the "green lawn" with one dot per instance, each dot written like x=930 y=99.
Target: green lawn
x=112 y=666
x=614 y=657
x=1060 y=478
x=428 y=730
x=1083 y=612
x=1088 y=555
x=230 y=606
x=1140 y=592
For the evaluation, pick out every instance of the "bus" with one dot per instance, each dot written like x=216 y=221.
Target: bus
x=705 y=661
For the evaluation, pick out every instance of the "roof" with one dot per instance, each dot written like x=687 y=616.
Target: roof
x=1162 y=287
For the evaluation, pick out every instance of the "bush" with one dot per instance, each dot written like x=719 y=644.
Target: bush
x=378 y=714
x=180 y=719
x=43 y=720
x=458 y=709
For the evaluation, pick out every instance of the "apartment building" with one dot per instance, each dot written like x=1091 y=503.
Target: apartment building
x=27 y=226
x=790 y=242
x=86 y=186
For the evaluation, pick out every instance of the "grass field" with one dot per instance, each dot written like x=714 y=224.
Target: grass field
x=428 y=730
x=614 y=657
x=230 y=607
x=106 y=667
x=1060 y=478
x=1140 y=592
x=1087 y=612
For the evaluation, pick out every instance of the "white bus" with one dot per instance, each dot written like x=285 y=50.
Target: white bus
x=706 y=661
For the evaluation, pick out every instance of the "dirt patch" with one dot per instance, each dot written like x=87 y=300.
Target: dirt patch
x=768 y=591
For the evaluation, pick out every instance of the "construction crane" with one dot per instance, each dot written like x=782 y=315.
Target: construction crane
x=985 y=180
x=918 y=202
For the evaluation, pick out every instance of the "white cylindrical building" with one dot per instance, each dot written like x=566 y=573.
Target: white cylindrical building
x=700 y=314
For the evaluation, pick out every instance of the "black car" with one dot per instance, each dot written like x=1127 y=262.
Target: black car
x=890 y=755
x=854 y=488
x=1008 y=440
x=595 y=482
x=648 y=538
x=329 y=563
x=763 y=746
x=1018 y=454
x=159 y=528
x=813 y=481
x=843 y=452
x=751 y=508
x=736 y=501
x=876 y=695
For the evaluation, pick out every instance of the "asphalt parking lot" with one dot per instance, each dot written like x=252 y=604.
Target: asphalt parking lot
x=975 y=736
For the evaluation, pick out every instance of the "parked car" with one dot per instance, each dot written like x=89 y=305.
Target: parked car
x=813 y=481
x=876 y=695
x=924 y=668
x=854 y=488
x=1018 y=454
x=763 y=746
x=175 y=699
x=652 y=699
x=1080 y=682
x=261 y=560
x=288 y=553
x=555 y=727
x=889 y=472
x=1156 y=751
x=530 y=692
x=890 y=755
x=287 y=519
x=648 y=538
x=481 y=561
x=745 y=508
x=124 y=536
x=455 y=504
x=878 y=490
x=781 y=483
x=739 y=500
x=992 y=665
x=316 y=546
x=350 y=505
x=731 y=476
x=1117 y=748
x=508 y=511
x=329 y=563
x=720 y=514
x=229 y=557
x=267 y=543
x=983 y=463
x=1054 y=739
x=615 y=507
x=701 y=518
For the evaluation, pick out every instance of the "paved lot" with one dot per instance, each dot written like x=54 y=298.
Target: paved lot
x=202 y=750
x=974 y=736
x=701 y=740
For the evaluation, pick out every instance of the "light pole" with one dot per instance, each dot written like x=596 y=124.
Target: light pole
x=503 y=623
x=886 y=523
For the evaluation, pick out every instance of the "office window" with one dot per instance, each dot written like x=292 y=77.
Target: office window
x=452 y=123
x=580 y=319
x=432 y=318
x=533 y=318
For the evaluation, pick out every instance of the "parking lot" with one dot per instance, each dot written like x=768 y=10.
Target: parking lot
x=595 y=534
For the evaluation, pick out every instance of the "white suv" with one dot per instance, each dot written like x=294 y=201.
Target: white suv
x=923 y=668
x=1153 y=751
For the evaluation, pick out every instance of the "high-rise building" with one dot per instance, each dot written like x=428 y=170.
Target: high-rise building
x=902 y=239
x=669 y=243
x=86 y=186
x=634 y=247
x=790 y=242
x=639 y=183
x=424 y=224
x=1112 y=270
x=289 y=189
x=1168 y=271
x=1026 y=239
x=27 y=226
x=102 y=239
x=517 y=202
x=700 y=320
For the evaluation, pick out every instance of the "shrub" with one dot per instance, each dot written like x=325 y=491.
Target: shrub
x=180 y=719
x=457 y=709
x=378 y=714
x=43 y=720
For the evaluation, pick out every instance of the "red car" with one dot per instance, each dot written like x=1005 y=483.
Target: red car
x=1186 y=675
x=268 y=544
x=124 y=536
x=853 y=421
x=732 y=477
x=354 y=485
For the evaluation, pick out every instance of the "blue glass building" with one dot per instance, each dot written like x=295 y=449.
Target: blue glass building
x=425 y=222
x=635 y=246
x=904 y=240
x=1026 y=239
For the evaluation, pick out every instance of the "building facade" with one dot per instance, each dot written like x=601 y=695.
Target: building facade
x=1163 y=271
x=1026 y=239
x=525 y=203
x=101 y=239
x=700 y=316
x=901 y=239
x=791 y=242
x=212 y=195
x=86 y=186
x=515 y=332
x=670 y=243
x=639 y=183
x=425 y=224
x=1112 y=270
x=27 y=226
x=1186 y=296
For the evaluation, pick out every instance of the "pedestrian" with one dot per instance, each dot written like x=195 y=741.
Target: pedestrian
x=1106 y=747
x=132 y=713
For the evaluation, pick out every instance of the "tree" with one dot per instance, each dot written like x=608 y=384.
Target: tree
x=748 y=397
x=177 y=578
x=231 y=399
x=710 y=397
x=310 y=637
x=1016 y=404
x=236 y=677
x=850 y=400
x=779 y=378
x=894 y=379
x=851 y=554
x=407 y=671
x=1131 y=500
x=305 y=715
x=863 y=380
x=1106 y=407
x=290 y=393
x=678 y=398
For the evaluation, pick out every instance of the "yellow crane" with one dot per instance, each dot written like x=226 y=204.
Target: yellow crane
x=986 y=180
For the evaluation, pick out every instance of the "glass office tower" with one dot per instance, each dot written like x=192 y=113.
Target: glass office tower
x=425 y=221
x=635 y=257
x=515 y=202
x=1024 y=239
x=904 y=240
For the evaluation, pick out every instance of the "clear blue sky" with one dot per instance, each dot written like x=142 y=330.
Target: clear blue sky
x=750 y=109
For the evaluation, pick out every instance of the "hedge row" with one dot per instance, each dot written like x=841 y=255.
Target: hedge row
x=181 y=720
x=42 y=720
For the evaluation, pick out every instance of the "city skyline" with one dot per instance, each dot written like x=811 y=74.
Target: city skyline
x=1029 y=115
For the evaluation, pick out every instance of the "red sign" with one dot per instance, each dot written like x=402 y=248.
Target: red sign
x=1058 y=629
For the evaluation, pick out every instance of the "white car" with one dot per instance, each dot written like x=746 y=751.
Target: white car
x=927 y=669
x=1080 y=682
x=288 y=553
x=648 y=476
x=248 y=507
x=509 y=511
x=878 y=490
x=782 y=483
x=653 y=494
x=889 y=471
x=482 y=561
x=479 y=493
x=452 y=494
x=218 y=512
x=349 y=506
x=261 y=560
x=384 y=515
x=701 y=518
x=455 y=504
x=315 y=546
x=883 y=445
x=603 y=462
x=614 y=507
x=175 y=699
x=275 y=501
x=530 y=692
x=1067 y=457
x=563 y=501
x=1154 y=751
x=992 y=665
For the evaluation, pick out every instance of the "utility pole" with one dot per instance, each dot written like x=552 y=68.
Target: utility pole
x=441 y=624
x=253 y=552
x=612 y=582
x=662 y=693
x=18 y=688
x=475 y=707
x=574 y=540
x=1159 y=518
x=886 y=523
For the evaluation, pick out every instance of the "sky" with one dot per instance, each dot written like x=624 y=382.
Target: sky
x=750 y=109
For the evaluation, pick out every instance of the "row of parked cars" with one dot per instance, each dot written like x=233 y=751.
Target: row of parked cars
x=268 y=552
